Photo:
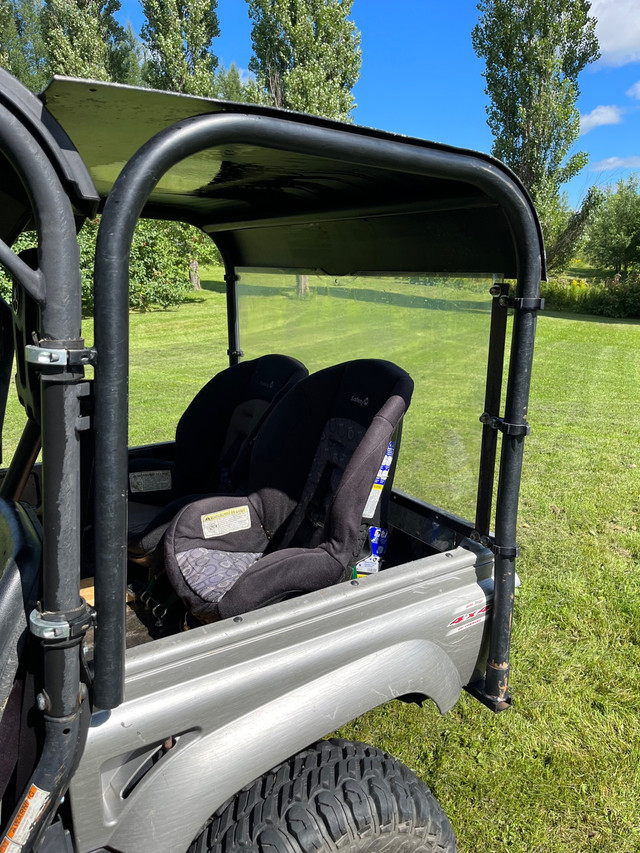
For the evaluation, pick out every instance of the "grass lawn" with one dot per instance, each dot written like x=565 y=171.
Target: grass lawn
x=561 y=770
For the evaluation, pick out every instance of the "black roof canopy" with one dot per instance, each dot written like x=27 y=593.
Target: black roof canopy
x=281 y=189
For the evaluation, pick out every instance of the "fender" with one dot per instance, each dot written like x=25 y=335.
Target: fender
x=235 y=698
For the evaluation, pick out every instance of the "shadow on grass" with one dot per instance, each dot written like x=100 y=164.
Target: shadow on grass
x=362 y=294
x=588 y=273
x=214 y=286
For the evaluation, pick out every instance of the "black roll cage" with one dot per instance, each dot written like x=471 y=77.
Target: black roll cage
x=56 y=205
x=125 y=203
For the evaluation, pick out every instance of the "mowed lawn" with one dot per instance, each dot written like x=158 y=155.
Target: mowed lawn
x=561 y=770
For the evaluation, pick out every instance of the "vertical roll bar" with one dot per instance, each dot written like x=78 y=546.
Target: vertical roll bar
x=55 y=286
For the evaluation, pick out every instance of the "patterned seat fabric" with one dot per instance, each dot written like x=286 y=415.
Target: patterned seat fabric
x=312 y=471
x=212 y=448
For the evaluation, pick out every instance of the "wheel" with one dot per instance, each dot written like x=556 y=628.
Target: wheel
x=334 y=796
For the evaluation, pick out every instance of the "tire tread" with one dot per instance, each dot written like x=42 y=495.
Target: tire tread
x=337 y=795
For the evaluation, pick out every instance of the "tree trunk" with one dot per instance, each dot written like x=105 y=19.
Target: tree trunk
x=302 y=285
x=194 y=275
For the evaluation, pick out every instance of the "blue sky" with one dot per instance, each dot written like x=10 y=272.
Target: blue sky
x=421 y=77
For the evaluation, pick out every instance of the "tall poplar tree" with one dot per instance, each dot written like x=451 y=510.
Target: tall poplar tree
x=534 y=51
x=83 y=39
x=178 y=35
x=306 y=54
x=22 y=50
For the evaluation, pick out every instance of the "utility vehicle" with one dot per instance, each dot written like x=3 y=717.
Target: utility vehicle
x=128 y=728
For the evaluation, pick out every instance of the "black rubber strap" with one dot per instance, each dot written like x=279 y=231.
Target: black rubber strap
x=510 y=552
x=530 y=303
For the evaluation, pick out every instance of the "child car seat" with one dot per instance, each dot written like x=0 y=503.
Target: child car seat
x=312 y=472
x=212 y=446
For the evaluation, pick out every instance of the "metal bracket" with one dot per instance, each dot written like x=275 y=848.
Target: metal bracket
x=494 y=703
x=51 y=357
x=522 y=304
x=237 y=353
x=57 y=627
x=500 y=424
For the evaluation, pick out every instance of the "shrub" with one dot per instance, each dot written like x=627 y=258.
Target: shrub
x=158 y=267
x=618 y=297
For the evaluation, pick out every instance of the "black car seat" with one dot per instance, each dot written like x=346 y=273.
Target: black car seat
x=212 y=446
x=313 y=471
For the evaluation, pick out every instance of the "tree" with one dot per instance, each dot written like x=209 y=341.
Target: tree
x=127 y=59
x=83 y=39
x=22 y=50
x=614 y=235
x=178 y=35
x=534 y=51
x=306 y=54
x=230 y=86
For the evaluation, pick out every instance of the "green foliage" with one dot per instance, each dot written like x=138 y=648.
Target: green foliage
x=566 y=228
x=22 y=50
x=178 y=37
x=614 y=236
x=158 y=266
x=534 y=51
x=83 y=39
x=306 y=54
x=616 y=297
x=79 y=38
x=229 y=85
x=127 y=59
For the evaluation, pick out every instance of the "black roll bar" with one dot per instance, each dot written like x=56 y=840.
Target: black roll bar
x=124 y=205
x=62 y=617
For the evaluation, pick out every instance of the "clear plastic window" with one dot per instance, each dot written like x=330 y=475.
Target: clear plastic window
x=436 y=328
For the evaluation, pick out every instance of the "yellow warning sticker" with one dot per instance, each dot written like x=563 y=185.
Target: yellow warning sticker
x=225 y=521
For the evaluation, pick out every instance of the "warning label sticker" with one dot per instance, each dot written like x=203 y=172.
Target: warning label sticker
x=149 y=481
x=225 y=521
x=372 y=500
x=32 y=807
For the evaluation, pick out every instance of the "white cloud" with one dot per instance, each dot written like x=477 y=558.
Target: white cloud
x=615 y=163
x=618 y=30
x=598 y=117
x=634 y=91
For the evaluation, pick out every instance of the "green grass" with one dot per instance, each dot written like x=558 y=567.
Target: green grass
x=559 y=773
x=582 y=270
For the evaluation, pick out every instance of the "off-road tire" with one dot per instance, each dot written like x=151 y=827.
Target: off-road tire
x=336 y=795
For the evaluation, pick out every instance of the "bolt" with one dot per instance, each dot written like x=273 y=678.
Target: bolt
x=42 y=702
